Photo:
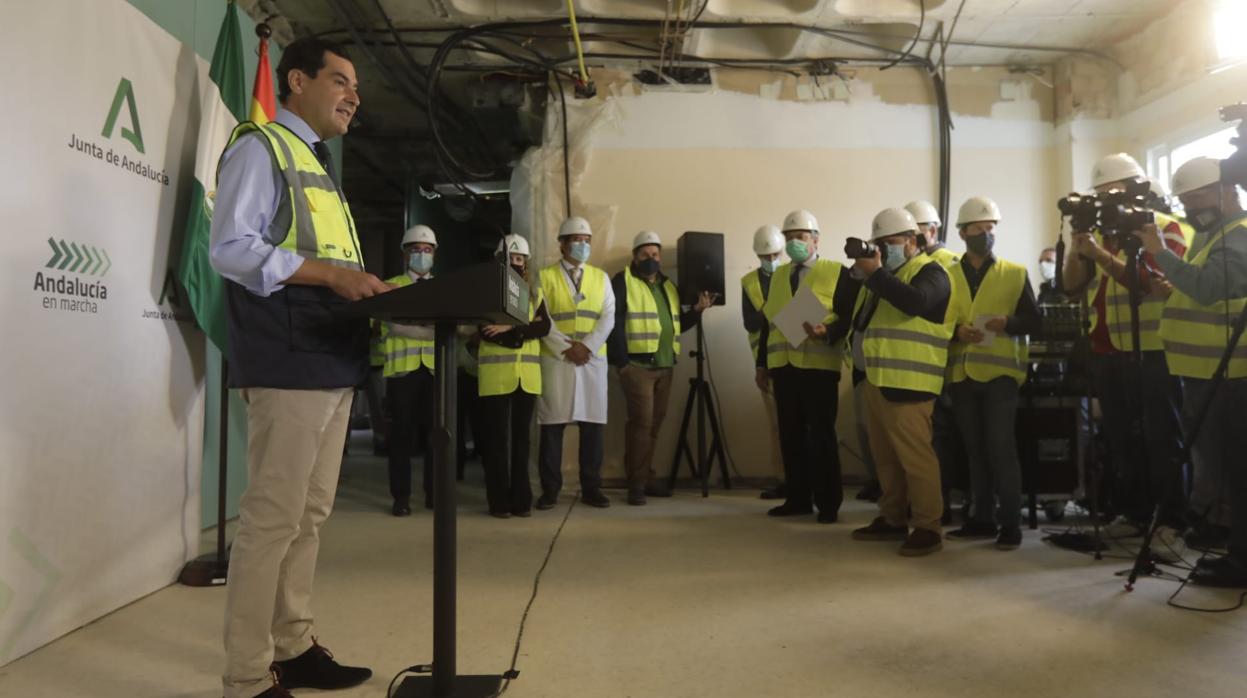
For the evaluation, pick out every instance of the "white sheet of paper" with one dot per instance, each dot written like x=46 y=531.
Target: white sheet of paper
x=980 y=324
x=804 y=307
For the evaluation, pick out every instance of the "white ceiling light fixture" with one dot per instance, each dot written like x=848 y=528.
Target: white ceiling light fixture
x=1228 y=19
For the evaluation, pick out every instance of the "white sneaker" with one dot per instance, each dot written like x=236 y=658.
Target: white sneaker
x=1121 y=527
x=1168 y=546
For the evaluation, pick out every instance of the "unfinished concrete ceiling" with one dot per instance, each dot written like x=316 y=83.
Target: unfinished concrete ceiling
x=391 y=142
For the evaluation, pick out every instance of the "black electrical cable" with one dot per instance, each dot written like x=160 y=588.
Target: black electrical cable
x=511 y=673
x=922 y=21
x=567 y=168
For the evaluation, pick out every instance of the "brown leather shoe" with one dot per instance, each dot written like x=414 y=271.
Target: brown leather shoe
x=880 y=529
x=922 y=541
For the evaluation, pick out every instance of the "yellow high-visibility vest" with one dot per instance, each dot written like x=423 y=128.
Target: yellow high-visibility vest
x=404 y=354
x=642 y=328
x=904 y=351
x=320 y=226
x=1117 y=301
x=574 y=319
x=502 y=370
x=1195 y=336
x=809 y=353
x=998 y=295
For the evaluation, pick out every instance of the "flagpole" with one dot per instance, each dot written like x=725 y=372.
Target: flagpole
x=213 y=569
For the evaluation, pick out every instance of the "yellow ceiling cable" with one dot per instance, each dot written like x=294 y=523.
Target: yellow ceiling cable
x=580 y=52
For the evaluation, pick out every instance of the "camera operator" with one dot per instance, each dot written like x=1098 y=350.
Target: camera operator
x=988 y=364
x=1148 y=463
x=1209 y=293
x=899 y=344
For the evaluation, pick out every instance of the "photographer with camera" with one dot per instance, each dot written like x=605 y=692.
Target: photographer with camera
x=994 y=310
x=1148 y=463
x=806 y=372
x=899 y=344
x=1209 y=294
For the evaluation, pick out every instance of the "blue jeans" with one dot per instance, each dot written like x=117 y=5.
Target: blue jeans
x=986 y=416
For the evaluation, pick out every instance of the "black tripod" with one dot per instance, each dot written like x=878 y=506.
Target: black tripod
x=700 y=399
x=1144 y=561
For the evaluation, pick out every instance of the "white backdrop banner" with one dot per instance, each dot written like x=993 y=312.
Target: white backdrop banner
x=101 y=414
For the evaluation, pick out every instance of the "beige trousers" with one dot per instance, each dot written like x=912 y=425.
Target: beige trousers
x=647 y=392
x=909 y=472
x=294 y=453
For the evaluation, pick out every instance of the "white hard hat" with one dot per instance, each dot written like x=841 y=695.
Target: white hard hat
x=1114 y=168
x=768 y=240
x=891 y=221
x=512 y=244
x=575 y=226
x=646 y=237
x=419 y=233
x=978 y=208
x=1196 y=174
x=801 y=220
x=923 y=212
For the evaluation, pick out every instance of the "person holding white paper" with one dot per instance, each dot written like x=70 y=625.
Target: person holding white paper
x=994 y=306
x=806 y=371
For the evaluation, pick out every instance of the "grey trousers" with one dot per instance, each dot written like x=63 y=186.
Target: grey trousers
x=986 y=416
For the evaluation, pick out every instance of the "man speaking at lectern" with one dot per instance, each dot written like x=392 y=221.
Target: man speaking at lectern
x=283 y=237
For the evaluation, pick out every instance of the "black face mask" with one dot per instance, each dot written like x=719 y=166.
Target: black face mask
x=647 y=267
x=981 y=245
x=1204 y=219
x=519 y=269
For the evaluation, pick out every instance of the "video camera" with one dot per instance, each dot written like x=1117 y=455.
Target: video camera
x=857 y=248
x=1116 y=212
x=1234 y=168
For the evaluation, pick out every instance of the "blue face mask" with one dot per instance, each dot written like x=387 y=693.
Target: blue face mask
x=768 y=265
x=579 y=251
x=894 y=256
x=797 y=250
x=420 y=262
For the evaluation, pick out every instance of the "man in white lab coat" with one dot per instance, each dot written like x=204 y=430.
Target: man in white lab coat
x=573 y=364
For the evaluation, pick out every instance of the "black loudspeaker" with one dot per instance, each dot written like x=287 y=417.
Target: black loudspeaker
x=700 y=267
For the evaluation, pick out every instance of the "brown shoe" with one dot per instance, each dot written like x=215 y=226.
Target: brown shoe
x=922 y=541
x=880 y=529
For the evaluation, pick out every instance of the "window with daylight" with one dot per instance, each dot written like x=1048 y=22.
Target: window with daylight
x=1165 y=159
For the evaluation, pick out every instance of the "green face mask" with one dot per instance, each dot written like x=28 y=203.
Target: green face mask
x=798 y=250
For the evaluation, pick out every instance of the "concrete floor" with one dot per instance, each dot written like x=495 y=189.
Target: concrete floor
x=689 y=597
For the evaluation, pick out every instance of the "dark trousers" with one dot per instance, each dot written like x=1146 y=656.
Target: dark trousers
x=550 y=457
x=411 y=406
x=806 y=400
x=504 y=444
x=1219 y=451
x=1141 y=407
x=469 y=419
x=986 y=414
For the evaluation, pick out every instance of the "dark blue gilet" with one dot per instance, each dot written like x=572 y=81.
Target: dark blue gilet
x=294 y=339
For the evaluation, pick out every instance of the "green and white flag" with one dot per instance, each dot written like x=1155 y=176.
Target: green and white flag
x=223 y=100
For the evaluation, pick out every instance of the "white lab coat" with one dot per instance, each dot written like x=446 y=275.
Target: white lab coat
x=571 y=393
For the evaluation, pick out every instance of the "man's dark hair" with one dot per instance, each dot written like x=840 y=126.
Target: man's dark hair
x=306 y=54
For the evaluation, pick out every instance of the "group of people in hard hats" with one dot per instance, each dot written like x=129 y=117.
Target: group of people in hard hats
x=935 y=343
x=916 y=325
x=556 y=365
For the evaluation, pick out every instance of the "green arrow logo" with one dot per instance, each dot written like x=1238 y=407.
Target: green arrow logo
x=69 y=256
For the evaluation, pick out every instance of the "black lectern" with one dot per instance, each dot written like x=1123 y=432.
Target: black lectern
x=485 y=293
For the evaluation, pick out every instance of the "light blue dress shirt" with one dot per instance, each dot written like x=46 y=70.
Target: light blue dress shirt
x=249 y=190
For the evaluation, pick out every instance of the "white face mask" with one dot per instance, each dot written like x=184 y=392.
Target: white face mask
x=768 y=265
x=1047 y=270
x=894 y=256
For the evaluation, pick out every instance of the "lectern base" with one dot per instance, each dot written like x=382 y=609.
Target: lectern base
x=465 y=687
